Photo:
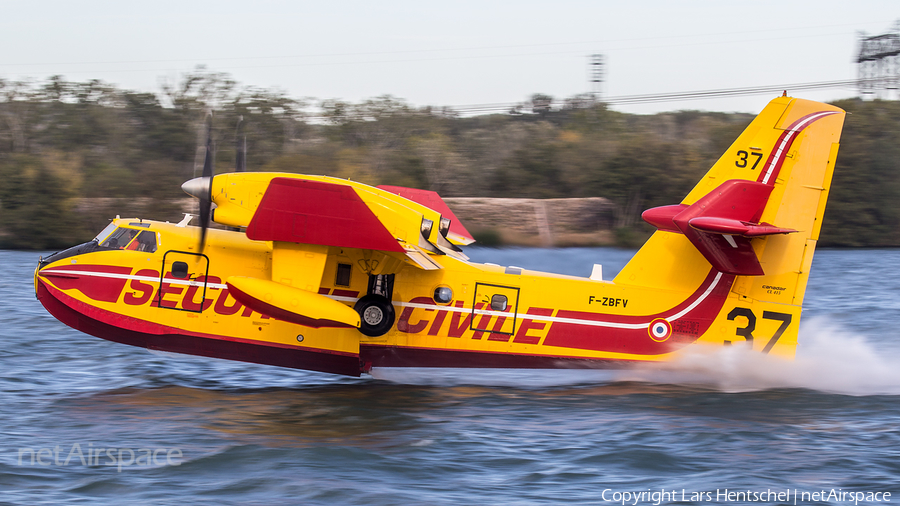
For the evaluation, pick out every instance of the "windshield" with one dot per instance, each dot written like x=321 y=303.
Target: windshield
x=105 y=233
x=131 y=239
x=119 y=239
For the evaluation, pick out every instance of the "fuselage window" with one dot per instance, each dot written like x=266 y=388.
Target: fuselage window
x=498 y=302
x=343 y=275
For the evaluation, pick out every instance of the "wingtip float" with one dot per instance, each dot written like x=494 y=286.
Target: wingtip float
x=331 y=275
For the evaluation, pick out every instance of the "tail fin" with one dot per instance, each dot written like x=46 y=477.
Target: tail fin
x=756 y=215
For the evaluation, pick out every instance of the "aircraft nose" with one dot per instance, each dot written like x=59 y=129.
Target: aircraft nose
x=197 y=187
x=80 y=249
x=59 y=255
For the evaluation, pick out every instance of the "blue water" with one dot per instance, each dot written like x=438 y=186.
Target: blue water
x=251 y=434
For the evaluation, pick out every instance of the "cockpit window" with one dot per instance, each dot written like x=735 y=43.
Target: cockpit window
x=120 y=238
x=145 y=241
x=130 y=239
x=105 y=233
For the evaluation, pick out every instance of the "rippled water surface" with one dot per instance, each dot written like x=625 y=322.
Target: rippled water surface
x=250 y=434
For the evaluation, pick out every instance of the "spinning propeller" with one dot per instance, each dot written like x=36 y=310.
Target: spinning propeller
x=201 y=187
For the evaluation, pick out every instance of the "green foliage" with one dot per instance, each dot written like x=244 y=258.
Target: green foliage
x=487 y=237
x=61 y=141
x=632 y=237
x=862 y=206
x=35 y=206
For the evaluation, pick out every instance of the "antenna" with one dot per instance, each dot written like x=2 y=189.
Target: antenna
x=240 y=141
x=596 y=75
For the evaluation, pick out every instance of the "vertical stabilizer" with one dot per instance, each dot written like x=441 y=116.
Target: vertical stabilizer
x=756 y=214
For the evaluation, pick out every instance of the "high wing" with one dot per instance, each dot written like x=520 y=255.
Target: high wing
x=305 y=216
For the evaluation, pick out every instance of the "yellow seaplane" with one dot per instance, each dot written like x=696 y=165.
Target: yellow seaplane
x=331 y=275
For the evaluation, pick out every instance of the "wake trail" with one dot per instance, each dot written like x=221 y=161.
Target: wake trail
x=829 y=359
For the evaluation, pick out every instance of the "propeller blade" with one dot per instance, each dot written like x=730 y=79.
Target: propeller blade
x=240 y=139
x=206 y=195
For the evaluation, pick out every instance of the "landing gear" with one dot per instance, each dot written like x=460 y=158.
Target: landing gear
x=376 y=315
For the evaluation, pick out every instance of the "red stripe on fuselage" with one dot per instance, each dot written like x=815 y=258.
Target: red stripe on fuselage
x=105 y=289
x=55 y=301
x=294 y=357
x=638 y=341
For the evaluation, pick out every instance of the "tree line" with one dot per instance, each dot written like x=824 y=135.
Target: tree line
x=62 y=142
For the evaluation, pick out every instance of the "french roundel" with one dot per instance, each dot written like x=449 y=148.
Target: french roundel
x=659 y=330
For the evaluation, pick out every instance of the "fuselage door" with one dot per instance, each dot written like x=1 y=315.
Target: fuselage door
x=494 y=308
x=182 y=282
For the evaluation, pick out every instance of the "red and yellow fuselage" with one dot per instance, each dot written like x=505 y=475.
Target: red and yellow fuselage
x=550 y=321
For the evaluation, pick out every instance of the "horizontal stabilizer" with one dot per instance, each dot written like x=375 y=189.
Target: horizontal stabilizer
x=735 y=227
x=663 y=217
x=290 y=304
x=721 y=224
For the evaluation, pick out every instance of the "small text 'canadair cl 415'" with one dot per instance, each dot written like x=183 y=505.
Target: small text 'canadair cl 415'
x=331 y=275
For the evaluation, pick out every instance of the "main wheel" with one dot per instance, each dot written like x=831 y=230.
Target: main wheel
x=376 y=315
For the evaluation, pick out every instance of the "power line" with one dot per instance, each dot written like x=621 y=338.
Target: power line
x=477 y=109
x=730 y=92
x=675 y=96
